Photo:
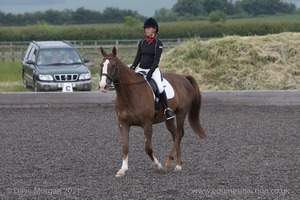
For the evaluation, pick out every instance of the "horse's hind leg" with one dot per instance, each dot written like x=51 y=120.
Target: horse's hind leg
x=177 y=134
x=172 y=129
x=178 y=137
x=148 y=148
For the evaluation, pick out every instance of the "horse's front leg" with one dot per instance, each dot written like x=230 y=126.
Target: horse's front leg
x=148 y=147
x=124 y=129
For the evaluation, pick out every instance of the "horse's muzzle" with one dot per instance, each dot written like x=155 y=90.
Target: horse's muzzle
x=103 y=88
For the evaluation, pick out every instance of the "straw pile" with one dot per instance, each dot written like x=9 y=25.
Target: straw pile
x=270 y=62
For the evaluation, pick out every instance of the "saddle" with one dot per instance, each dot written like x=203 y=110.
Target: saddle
x=167 y=87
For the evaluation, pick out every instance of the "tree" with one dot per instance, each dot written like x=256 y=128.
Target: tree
x=193 y=7
x=165 y=15
x=131 y=21
x=80 y=16
x=52 y=16
x=34 y=18
x=267 y=7
x=222 y=5
x=217 y=16
x=2 y=18
x=116 y=15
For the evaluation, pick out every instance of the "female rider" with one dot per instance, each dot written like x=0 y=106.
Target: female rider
x=148 y=56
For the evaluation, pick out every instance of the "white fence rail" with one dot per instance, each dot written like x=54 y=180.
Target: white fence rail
x=14 y=51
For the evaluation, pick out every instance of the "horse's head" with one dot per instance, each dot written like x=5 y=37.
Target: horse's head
x=108 y=69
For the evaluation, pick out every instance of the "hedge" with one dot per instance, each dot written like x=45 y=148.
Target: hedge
x=167 y=30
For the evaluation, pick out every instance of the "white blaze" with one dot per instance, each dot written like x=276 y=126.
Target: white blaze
x=102 y=83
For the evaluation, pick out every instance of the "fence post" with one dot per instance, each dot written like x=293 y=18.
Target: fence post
x=117 y=44
x=13 y=56
x=22 y=52
x=12 y=52
x=3 y=55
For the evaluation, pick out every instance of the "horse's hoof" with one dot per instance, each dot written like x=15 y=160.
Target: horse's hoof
x=159 y=168
x=160 y=171
x=178 y=168
x=168 y=166
x=120 y=173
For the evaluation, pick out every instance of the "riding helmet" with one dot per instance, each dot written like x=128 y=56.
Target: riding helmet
x=150 y=22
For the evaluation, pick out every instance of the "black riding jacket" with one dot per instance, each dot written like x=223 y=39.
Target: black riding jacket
x=148 y=54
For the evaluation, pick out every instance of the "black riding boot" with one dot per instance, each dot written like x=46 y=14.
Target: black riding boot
x=168 y=112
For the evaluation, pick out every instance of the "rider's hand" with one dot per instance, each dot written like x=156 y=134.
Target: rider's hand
x=149 y=75
x=132 y=67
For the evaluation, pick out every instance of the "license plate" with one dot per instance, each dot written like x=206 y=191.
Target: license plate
x=61 y=85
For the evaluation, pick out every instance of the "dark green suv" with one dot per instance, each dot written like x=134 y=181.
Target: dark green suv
x=49 y=65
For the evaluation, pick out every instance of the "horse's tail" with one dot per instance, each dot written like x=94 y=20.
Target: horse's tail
x=194 y=112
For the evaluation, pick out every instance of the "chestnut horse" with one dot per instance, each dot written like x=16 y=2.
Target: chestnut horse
x=134 y=106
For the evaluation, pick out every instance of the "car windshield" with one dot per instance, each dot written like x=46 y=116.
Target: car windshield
x=48 y=57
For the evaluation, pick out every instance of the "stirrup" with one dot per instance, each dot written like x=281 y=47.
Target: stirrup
x=169 y=113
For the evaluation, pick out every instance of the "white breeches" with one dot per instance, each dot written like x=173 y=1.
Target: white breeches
x=156 y=76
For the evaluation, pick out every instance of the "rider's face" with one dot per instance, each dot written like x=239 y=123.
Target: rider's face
x=150 y=31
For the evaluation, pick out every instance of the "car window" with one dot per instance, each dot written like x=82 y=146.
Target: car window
x=28 y=52
x=32 y=54
x=56 y=56
x=74 y=56
x=69 y=56
x=42 y=58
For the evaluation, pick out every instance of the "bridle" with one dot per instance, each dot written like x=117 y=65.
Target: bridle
x=114 y=70
x=113 y=74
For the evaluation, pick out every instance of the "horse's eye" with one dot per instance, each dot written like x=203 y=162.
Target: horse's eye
x=101 y=65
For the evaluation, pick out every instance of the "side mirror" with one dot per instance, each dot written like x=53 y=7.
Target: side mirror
x=86 y=60
x=29 y=62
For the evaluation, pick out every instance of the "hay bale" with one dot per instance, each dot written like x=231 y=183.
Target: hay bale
x=239 y=63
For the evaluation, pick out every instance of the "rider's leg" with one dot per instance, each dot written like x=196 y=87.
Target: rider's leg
x=162 y=94
x=156 y=102
x=168 y=112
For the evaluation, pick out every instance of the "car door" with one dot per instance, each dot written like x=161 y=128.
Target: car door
x=25 y=66
x=30 y=66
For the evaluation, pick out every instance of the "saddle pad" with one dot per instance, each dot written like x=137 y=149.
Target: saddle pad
x=167 y=86
x=169 y=89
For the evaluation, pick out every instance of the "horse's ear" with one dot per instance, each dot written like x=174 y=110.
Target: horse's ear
x=114 y=51
x=103 y=52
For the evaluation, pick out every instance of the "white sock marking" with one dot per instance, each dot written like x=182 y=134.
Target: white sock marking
x=125 y=164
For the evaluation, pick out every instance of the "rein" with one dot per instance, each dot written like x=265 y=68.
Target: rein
x=111 y=78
